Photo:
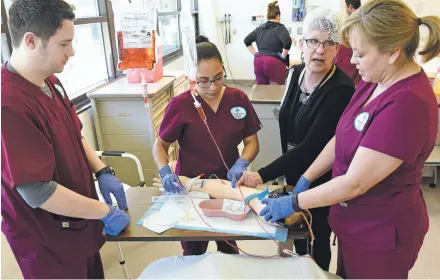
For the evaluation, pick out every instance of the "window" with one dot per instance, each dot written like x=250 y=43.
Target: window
x=5 y=38
x=88 y=68
x=168 y=26
x=94 y=62
x=96 y=58
x=5 y=49
x=169 y=33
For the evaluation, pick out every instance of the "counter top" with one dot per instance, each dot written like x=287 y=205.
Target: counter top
x=267 y=94
x=120 y=88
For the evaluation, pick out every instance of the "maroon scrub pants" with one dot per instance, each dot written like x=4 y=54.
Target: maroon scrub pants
x=42 y=264
x=397 y=256
x=199 y=247
x=356 y=263
x=269 y=69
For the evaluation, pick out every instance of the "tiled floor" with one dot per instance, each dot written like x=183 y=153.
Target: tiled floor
x=138 y=255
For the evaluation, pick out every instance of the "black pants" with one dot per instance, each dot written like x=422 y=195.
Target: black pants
x=322 y=231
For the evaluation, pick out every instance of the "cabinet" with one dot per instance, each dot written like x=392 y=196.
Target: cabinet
x=123 y=123
x=265 y=98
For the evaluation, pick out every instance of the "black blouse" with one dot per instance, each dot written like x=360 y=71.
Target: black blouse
x=307 y=128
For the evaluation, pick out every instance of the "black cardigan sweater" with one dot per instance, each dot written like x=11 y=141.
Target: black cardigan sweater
x=312 y=127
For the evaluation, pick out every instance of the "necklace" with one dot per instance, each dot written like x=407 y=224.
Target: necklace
x=304 y=96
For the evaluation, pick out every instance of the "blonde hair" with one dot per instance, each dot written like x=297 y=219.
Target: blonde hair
x=273 y=10
x=390 y=24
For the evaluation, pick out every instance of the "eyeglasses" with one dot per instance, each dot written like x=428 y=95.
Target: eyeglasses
x=208 y=83
x=327 y=45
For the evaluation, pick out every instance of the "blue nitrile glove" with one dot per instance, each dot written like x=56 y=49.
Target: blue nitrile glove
x=237 y=170
x=108 y=183
x=277 y=208
x=281 y=55
x=302 y=185
x=115 y=221
x=170 y=181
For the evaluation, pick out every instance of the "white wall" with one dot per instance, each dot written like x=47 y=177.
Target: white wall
x=235 y=54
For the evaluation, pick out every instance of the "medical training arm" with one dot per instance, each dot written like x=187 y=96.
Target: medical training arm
x=222 y=189
x=95 y=162
x=71 y=204
x=362 y=175
x=251 y=148
x=160 y=152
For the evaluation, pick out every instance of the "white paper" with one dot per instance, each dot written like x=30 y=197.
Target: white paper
x=233 y=206
x=136 y=31
x=168 y=216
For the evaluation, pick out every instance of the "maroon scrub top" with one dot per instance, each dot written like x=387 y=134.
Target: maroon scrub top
x=400 y=122
x=41 y=141
x=342 y=60
x=234 y=120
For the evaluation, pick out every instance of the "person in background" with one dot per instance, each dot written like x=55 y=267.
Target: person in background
x=231 y=119
x=344 y=55
x=317 y=93
x=273 y=43
x=382 y=140
x=51 y=215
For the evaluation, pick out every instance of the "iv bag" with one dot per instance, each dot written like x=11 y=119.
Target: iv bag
x=188 y=41
x=135 y=25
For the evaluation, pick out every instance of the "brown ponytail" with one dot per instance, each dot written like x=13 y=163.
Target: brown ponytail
x=273 y=10
x=432 y=47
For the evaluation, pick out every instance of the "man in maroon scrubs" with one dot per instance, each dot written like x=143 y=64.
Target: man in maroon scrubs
x=50 y=210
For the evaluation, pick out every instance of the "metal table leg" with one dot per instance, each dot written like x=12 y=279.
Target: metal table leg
x=433 y=184
x=122 y=260
x=287 y=245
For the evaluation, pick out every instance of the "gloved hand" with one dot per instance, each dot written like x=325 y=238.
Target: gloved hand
x=170 y=181
x=302 y=185
x=115 y=221
x=281 y=55
x=237 y=170
x=108 y=183
x=277 y=208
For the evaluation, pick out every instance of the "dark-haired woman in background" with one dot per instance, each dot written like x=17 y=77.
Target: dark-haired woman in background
x=231 y=118
x=273 y=42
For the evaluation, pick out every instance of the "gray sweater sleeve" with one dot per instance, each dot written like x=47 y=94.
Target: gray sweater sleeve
x=37 y=193
x=285 y=38
x=250 y=38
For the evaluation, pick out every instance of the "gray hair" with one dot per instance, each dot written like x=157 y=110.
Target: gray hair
x=324 y=20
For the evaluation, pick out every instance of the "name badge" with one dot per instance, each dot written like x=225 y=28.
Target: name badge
x=238 y=112
x=361 y=120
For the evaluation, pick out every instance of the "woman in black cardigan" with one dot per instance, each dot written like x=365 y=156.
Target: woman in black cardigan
x=317 y=93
